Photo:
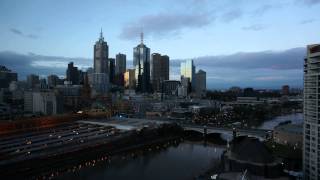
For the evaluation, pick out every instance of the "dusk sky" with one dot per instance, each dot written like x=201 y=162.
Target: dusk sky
x=237 y=42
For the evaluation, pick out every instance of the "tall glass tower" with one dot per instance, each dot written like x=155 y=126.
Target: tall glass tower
x=141 y=63
x=187 y=70
x=311 y=133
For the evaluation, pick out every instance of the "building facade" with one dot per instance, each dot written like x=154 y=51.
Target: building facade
x=101 y=54
x=72 y=74
x=120 y=63
x=7 y=76
x=200 y=83
x=187 y=70
x=159 y=70
x=99 y=78
x=111 y=65
x=129 y=79
x=311 y=137
x=32 y=81
x=141 y=63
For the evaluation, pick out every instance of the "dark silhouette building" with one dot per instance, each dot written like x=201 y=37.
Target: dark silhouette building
x=141 y=63
x=72 y=74
x=159 y=70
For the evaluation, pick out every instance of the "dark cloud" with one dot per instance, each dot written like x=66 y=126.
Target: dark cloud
x=254 y=27
x=26 y=64
x=165 y=24
x=288 y=59
x=257 y=69
x=22 y=34
x=231 y=15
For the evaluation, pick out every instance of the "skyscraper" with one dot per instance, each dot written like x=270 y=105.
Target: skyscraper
x=72 y=74
x=32 y=81
x=120 y=63
x=159 y=70
x=187 y=70
x=200 y=83
x=311 y=150
x=111 y=65
x=141 y=63
x=99 y=78
x=101 y=54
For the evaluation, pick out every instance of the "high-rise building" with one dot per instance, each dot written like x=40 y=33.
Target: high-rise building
x=120 y=63
x=187 y=70
x=129 y=79
x=101 y=54
x=99 y=78
x=311 y=150
x=159 y=70
x=200 y=83
x=285 y=90
x=32 y=81
x=53 y=80
x=72 y=74
x=111 y=64
x=7 y=76
x=141 y=63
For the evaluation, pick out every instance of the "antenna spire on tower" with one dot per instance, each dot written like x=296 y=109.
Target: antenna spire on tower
x=101 y=34
x=141 y=37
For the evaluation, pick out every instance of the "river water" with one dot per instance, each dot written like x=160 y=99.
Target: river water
x=295 y=118
x=183 y=161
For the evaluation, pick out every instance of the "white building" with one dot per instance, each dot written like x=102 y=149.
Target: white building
x=311 y=152
x=47 y=103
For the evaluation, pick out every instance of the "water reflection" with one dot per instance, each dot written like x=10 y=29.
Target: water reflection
x=183 y=161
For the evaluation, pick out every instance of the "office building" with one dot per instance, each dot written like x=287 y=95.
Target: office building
x=200 y=83
x=120 y=63
x=111 y=64
x=141 y=63
x=129 y=79
x=170 y=87
x=7 y=76
x=311 y=150
x=99 y=78
x=53 y=81
x=159 y=70
x=72 y=74
x=285 y=90
x=32 y=81
x=101 y=54
x=187 y=70
x=47 y=103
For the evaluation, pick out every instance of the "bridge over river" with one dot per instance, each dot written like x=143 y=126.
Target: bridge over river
x=258 y=133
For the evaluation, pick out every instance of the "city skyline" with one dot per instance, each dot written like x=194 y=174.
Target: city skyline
x=217 y=39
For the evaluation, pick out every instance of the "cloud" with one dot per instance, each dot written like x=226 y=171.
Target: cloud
x=254 y=27
x=266 y=69
x=231 y=15
x=309 y=2
x=22 y=34
x=163 y=24
x=262 y=10
x=30 y=63
x=307 y=21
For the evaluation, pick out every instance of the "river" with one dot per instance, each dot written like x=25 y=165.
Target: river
x=181 y=161
x=295 y=118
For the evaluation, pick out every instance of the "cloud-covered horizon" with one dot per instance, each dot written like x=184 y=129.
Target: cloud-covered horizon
x=266 y=69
